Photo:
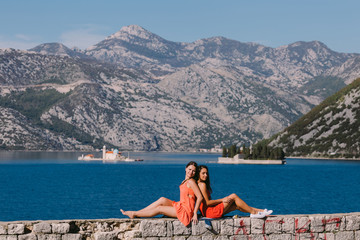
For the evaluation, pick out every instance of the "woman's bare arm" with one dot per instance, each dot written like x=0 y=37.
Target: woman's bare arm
x=204 y=192
x=199 y=198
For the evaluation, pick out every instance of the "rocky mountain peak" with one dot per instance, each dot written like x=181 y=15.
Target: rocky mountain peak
x=132 y=32
x=309 y=54
x=315 y=46
x=57 y=49
x=135 y=30
x=51 y=49
x=131 y=46
x=300 y=46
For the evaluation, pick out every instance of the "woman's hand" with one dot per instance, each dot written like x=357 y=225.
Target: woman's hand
x=195 y=219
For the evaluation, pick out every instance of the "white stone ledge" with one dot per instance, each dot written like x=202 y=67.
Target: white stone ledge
x=316 y=226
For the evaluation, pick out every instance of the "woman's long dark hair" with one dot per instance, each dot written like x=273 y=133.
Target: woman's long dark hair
x=196 y=177
x=207 y=182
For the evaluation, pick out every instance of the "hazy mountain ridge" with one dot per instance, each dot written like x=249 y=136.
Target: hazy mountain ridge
x=348 y=71
x=139 y=91
x=58 y=49
x=25 y=68
x=288 y=67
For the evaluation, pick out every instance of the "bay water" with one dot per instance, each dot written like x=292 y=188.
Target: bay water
x=55 y=185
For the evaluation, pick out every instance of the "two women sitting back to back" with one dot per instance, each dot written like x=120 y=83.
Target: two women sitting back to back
x=195 y=194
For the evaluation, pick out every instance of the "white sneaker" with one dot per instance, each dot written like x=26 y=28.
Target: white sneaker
x=261 y=214
x=268 y=212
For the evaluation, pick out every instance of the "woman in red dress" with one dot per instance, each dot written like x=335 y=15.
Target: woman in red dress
x=185 y=210
x=219 y=207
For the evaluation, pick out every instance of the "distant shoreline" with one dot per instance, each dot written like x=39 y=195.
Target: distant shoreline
x=325 y=158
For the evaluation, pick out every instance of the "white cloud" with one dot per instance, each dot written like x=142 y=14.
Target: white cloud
x=19 y=41
x=82 y=38
x=23 y=37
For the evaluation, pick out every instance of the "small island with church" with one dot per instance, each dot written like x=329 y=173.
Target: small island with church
x=259 y=153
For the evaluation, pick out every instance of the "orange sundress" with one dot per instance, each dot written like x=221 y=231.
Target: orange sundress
x=185 y=207
x=212 y=211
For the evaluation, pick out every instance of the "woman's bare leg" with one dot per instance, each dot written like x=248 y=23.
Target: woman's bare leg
x=164 y=210
x=160 y=202
x=149 y=210
x=237 y=203
x=229 y=207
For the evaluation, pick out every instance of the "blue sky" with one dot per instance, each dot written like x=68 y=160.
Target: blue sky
x=82 y=23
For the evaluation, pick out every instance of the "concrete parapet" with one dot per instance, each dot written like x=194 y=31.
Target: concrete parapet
x=280 y=227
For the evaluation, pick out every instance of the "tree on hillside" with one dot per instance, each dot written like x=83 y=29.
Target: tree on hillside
x=232 y=151
x=246 y=152
x=224 y=152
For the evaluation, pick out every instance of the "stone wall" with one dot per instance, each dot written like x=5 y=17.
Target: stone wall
x=282 y=227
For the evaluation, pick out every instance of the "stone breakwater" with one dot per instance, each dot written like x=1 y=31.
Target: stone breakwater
x=281 y=227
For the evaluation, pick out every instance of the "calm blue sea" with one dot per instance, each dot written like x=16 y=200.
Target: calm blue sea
x=44 y=186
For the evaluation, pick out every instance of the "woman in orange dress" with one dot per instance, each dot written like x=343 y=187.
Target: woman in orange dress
x=219 y=207
x=185 y=210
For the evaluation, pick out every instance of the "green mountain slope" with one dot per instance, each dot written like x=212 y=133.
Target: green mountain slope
x=330 y=129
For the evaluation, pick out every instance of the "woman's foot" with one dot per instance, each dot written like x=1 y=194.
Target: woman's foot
x=261 y=214
x=256 y=210
x=259 y=210
x=268 y=212
x=130 y=214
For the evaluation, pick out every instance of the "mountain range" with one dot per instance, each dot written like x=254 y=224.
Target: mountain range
x=138 y=91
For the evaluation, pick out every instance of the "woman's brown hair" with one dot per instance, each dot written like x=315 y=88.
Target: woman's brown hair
x=196 y=177
x=207 y=182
